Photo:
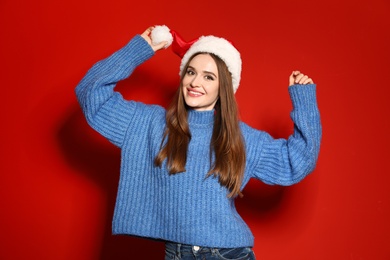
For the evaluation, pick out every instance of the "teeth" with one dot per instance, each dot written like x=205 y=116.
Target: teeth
x=195 y=93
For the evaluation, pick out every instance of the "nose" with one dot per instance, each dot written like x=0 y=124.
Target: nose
x=196 y=81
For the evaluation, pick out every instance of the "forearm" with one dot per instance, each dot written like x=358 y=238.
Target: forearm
x=98 y=84
x=288 y=161
x=307 y=127
x=105 y=110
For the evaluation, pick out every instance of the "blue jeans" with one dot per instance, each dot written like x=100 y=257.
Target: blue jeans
x=174 y=251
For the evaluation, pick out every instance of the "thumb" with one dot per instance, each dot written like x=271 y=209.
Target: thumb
x=160 y=45
x=292 y=77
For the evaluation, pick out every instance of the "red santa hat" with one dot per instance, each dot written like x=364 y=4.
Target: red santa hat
x=210 y=44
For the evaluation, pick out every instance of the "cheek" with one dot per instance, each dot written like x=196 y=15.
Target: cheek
x=216 y=91
x=185 y=80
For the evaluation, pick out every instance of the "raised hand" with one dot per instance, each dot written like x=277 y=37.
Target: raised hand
x=146 y=36
x=297 y=77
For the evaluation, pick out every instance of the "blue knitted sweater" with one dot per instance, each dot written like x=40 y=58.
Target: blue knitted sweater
x=187 y=207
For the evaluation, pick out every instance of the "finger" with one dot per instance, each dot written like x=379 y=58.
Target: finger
x=146 y=35
x=296 y=73
x=292 y=77
x=303 y=79
x=159 y=46
x=298 y=78
x=308 y=81
x=148 y=31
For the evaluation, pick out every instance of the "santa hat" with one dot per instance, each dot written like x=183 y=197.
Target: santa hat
x=210 y=44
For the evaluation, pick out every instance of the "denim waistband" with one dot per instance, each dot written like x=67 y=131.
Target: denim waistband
x=183 y=248
x=177 y=251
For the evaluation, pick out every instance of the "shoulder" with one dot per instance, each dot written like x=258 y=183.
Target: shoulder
x=252 y=135
x=146 y=119
x=148 y=111
x=249 y=130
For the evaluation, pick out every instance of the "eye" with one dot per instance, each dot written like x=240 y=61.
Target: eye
x=190 y=72
x=209 y=77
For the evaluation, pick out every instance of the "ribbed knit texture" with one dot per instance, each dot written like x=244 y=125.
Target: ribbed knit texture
x=187 y=207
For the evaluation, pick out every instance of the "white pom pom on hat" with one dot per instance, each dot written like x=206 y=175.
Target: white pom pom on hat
x=161 y=33
x=210 y=44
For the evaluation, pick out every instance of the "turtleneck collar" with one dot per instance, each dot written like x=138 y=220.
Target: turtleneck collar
x=200 y=117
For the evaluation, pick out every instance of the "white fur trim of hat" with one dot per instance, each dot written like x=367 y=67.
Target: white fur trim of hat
x=223 y=49
x=209 y=44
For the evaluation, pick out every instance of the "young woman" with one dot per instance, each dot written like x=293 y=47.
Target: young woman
x=182 y=168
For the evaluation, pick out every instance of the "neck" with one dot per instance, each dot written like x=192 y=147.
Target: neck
x=205 y=117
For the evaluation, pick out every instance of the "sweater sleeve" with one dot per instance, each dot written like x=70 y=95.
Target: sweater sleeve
x=288 y=161
x=105 y=109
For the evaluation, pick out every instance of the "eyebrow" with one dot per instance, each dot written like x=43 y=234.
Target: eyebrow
x=205 y=71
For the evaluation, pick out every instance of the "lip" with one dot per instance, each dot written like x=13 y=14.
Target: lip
x=194 y=93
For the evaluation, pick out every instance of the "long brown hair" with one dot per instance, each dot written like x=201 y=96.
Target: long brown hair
x=226 y=143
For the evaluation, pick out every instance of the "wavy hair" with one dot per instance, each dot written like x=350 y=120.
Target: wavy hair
x=227 y=143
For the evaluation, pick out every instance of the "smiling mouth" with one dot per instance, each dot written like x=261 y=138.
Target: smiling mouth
x=193 y=93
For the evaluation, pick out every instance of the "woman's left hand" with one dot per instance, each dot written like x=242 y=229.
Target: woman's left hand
x=297 y=77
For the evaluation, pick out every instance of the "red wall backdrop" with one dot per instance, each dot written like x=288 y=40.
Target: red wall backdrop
x=59 y=178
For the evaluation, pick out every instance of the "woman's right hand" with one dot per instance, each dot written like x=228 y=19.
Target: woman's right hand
x=146 y=36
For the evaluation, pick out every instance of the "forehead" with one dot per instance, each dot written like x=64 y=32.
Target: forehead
x=204 y=61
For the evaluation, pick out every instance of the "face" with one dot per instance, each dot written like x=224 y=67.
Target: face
x=201 y=83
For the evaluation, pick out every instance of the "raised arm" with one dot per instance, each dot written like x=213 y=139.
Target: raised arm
x=106 y=110
x=288 y=161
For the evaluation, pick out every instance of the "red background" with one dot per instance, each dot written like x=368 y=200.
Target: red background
x=59 y=178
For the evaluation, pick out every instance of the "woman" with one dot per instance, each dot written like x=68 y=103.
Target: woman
x=182 y=168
